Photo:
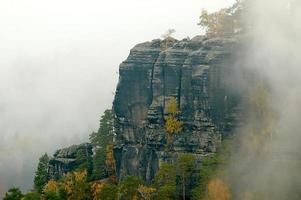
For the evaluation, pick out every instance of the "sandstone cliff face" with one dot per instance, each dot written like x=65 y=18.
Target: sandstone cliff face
x=198 y=73
x=67 y=160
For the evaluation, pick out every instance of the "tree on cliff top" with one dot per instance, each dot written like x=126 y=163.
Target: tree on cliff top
x=172 y=124
x=226 y=21
x=167 y=39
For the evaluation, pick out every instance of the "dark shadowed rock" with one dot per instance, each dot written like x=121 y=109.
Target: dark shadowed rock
x=67 y=159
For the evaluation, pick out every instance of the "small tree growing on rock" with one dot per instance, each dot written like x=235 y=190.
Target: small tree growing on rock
x=167 y=39
x=172 y=124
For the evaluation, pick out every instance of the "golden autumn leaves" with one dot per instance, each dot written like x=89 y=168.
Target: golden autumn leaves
x=172 y=124
x=73 y=185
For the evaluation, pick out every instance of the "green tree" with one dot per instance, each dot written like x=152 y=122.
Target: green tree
x=32 y=196
x=165 y=182
x=13 y=194
x=100 y=140
x=167 y=192
x=41 y=176
x=109 y=192
x=129 y=187
x=84 y=161
x=186 y=165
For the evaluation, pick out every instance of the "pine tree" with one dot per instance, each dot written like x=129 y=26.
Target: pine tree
x=41 y=177
x=13 y=194
x=100 y=140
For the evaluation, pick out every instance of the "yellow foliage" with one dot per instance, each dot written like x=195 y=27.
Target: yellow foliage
x=96 y=189
x=51 y=186
x=110 y=162
x=218 y=190
x=214 y=22
x=172 y=107
x=75 y=184
x=80 y=176
x=146 y=192
x=173 y=125
x=135 y=198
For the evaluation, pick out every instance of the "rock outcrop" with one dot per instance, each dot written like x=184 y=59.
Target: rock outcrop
x=199 y=74
x=68 y=159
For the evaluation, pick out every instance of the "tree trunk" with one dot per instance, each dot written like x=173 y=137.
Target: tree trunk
x=169 y=141
x=183 y=187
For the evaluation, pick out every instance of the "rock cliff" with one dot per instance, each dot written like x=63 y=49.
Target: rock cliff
x=199 y=74
x=68 y=159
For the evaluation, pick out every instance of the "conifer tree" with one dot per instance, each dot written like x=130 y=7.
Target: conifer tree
x=41 y=177
x=100 y=140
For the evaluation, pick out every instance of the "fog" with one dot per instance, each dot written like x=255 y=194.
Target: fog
x=59 y=68
x=267 y=164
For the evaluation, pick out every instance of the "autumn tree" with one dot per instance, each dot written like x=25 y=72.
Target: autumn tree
x=110 y=164
x=146 y=192
x=172 y=124
x=75 y=185
x=226 y=21
x=41 y=175
x=96 y=189
x=51 y=191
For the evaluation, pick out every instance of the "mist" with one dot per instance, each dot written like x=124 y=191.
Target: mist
x=267 y=163
x=59 y=69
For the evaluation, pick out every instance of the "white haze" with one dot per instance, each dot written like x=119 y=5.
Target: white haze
x=275 y=56
x=58 y=68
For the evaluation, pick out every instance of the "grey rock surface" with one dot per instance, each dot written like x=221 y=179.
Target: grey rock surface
x=199 y=74
x=66 y=160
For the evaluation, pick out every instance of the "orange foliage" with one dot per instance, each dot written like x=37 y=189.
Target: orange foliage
x=218 y=190
x=110 y=162
x=51 y=186
x=75 y=185
x=96 y=189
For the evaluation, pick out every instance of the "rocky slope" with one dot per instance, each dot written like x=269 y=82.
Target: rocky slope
x=199 y=74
